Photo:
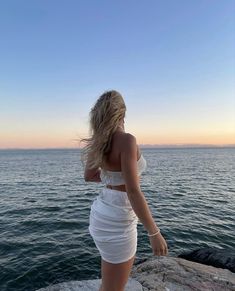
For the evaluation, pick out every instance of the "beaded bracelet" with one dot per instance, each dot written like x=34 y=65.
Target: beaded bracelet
x=154 y=233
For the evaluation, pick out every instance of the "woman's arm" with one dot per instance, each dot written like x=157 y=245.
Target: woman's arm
x=130 y=173
x=136 y=197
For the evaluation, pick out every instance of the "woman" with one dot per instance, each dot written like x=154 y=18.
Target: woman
x=113 y=157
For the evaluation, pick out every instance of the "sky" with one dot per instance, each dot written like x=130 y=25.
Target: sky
x=172 y=61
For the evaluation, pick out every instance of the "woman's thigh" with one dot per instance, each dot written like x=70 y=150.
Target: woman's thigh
x=115 y=276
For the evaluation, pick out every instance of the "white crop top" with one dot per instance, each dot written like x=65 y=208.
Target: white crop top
x=116 y=178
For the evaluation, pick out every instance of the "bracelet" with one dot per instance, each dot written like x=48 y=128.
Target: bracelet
x=154 y=233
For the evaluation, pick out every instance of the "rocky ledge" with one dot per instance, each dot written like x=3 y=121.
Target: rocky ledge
x=89 y=285
x=177 y=274
x=163 y=273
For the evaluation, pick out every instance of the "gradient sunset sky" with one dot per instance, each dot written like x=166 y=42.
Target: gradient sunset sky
x=173 y=62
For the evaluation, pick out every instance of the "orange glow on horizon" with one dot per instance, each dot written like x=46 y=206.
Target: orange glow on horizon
x=64 y=135
x=69 y=141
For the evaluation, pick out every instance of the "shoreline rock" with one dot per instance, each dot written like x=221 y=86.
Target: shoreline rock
x=89 y=285
x=163 y=273
x=177 y=274
x=219 y=258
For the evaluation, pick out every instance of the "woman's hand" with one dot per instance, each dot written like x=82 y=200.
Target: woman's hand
x=92 y=175
x=159 y=245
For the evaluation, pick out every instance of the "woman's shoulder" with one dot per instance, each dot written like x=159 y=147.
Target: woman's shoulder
x=126 y=138
x=128 y=143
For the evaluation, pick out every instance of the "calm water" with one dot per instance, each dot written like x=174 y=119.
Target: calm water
x=44 y=208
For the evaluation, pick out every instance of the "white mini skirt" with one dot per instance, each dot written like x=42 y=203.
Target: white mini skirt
x=113 y=226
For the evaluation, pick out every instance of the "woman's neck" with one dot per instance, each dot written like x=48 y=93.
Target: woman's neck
x=120 y=128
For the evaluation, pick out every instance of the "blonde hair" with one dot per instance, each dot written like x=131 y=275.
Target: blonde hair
x=105 y=117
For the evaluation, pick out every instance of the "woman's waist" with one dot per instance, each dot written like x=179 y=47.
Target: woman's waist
x=114 y=198
x=121 y=188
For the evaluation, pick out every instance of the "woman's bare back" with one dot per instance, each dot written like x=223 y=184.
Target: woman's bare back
x=113 y=159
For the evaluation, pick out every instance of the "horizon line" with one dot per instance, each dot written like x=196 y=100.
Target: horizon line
x=140 y=145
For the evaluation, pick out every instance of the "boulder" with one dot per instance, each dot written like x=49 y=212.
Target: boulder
x=219 y=258
x=177 y=274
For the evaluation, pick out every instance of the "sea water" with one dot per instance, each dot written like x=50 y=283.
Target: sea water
x=45 y=203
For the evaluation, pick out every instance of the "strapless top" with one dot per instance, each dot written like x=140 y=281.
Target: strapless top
x=116 y=178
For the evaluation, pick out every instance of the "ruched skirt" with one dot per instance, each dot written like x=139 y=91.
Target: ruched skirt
x=113 y=226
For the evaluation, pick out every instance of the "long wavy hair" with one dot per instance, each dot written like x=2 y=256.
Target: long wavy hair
x=105 y=117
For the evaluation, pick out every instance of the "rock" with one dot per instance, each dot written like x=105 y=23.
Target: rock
x=89 y=285
x=219 y=258
x=163 y=273
x=177 y=274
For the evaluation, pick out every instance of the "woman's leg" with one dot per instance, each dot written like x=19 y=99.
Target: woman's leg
x=115 y=276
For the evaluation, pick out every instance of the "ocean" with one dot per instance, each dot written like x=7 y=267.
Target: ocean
x=45 y=203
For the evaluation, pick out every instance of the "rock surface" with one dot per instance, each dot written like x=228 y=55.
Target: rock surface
x=219 y=258
x=177 y=274
x=163 y=273
x=88 y=285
